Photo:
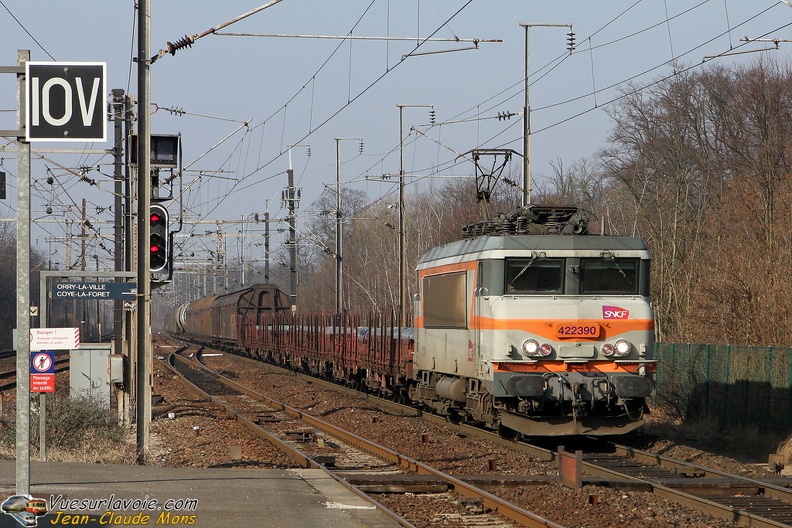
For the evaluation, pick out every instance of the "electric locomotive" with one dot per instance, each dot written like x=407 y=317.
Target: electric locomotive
x=532 y=324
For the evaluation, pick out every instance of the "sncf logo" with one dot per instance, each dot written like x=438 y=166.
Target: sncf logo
x=614 y=312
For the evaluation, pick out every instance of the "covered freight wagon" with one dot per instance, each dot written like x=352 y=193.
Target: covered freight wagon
x=216 y=318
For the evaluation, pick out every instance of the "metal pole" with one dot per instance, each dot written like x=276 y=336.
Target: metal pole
x=266 y=248
x=526 y=198
x=339 y=304
x=292 y=198
x=402 y=245
x=118 y=204
x=527 y=116
x=144 y=202
x=82 y=302
x=242 y=254
x=402 y=252
x=130 y=373
x=43 y=427
x=292 y=240
x=23 y=290
x=339 y=264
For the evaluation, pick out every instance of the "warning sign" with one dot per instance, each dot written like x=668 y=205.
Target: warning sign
x=42 y=383
x=54 y=339
x=42 y=363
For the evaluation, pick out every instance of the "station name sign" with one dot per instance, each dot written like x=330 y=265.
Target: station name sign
x=66 y=101
x=94 y=290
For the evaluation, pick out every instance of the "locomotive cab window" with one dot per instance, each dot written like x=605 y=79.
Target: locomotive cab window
x=609 y=276
x=535 y=275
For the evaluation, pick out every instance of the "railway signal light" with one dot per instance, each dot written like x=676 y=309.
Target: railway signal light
x=158 y=245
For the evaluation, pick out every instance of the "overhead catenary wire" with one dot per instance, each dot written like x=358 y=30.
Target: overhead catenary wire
x=350 y=101
x=593 y=92
x=359 y=37
x=21 y=25
x=614 y=85
x=195 y=37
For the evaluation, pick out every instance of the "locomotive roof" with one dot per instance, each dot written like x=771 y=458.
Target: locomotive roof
x=498 y=247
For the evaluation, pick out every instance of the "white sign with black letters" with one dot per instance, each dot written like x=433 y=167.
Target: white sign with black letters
x=66 y=101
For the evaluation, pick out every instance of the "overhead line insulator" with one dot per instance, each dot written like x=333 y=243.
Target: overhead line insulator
x=184 y=42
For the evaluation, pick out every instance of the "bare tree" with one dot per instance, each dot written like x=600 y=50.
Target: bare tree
x=661 y=160
x=746 y=297
x=702 y=160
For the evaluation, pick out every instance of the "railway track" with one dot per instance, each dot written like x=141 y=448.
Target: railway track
x=734 y=498
x=355 y=462
x=738 y=499
x=765 y=503
x=745 y=501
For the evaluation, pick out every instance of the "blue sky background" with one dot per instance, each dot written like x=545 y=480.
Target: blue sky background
x=310 y=91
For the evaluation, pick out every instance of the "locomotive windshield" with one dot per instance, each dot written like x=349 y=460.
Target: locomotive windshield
x=589 y=276
x=607 y=276
x=535 y=276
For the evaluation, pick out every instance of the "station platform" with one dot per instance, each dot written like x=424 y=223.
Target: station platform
x=119 y=495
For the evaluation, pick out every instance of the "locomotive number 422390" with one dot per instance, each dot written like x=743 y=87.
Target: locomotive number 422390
x=577 y=330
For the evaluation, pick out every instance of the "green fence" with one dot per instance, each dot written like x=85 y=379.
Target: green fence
x=735 y=386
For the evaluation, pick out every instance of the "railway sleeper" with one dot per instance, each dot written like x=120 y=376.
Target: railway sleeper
x=397 y=483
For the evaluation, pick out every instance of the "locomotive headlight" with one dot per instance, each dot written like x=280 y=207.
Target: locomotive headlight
x=622 y=347
x=532 y=348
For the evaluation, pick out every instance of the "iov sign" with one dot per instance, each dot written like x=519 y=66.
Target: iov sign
x=65 y=101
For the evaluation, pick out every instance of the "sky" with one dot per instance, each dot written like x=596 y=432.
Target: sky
x=241 y=96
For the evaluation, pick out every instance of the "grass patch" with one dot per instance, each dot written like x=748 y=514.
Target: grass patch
x=77 y=430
